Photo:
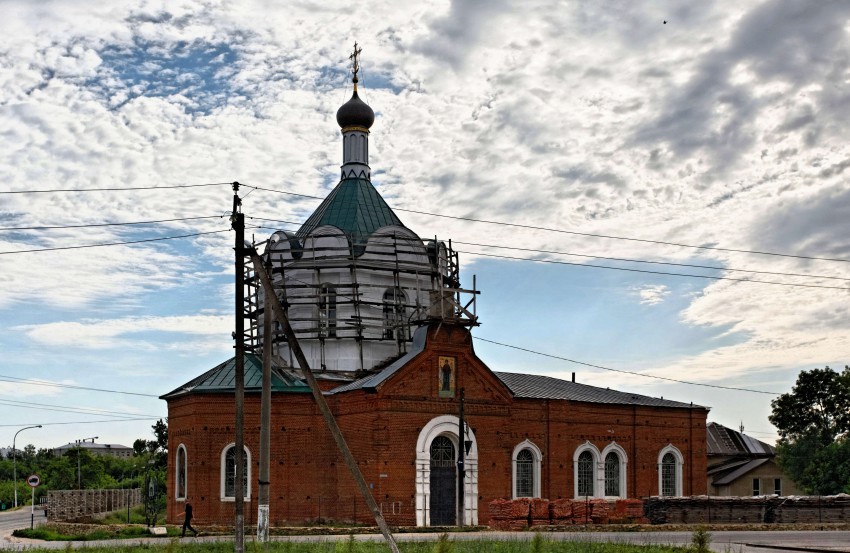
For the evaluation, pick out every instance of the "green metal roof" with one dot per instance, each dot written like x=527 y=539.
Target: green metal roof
x=354 y=207
x=222 y=378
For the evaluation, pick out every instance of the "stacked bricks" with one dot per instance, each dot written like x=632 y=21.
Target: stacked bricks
x=519 y=514
x=561 y=511
x=510 y=515
x=766 y=509
x=539 y=513
x=628 y=511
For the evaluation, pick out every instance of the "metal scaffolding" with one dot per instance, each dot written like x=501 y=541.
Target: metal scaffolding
x=376 y=292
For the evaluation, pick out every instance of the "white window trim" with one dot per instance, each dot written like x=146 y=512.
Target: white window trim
x=177 y=496
x=615 y=448
x=537 y=460
x=222 y=466
x=594 y=452
x=680 y=461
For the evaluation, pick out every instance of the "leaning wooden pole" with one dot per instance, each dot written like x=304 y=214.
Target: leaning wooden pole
x=281 y=317
x=265 y=424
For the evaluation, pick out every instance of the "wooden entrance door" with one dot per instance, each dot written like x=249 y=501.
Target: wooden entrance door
x=443 y=482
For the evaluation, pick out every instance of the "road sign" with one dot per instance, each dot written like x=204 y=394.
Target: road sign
x=33 y=480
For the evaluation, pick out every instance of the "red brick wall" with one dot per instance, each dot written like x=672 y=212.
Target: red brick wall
x=310 y=480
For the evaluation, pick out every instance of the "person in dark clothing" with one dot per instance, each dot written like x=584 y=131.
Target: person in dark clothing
x=187 y=521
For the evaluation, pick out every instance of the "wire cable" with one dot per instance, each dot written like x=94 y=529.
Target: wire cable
x=627 y=260
x=665 y=273
x=36 y=382
x=87 y=422
x=165 y=187
x=93 y=225
x=576 y=233
x=625 y=372
x=114 y=243
x=66 y=408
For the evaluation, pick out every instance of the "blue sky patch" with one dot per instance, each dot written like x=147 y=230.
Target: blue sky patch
x=199 y=71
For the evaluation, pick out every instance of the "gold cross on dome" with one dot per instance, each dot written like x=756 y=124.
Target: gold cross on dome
x=355 y=62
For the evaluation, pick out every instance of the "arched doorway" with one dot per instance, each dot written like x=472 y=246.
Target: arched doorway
x=444 y=429
x=443 y=482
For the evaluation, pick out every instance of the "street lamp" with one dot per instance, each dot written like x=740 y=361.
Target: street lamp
x=79 y=446
x=15 y=460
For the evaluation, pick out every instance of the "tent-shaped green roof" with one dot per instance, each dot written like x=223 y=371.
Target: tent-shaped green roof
x=354 y=207
x=222 y=379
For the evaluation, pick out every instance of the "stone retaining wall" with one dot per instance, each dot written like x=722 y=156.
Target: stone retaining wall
x=74 y=504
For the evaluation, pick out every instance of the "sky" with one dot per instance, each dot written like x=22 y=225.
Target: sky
x=656 y=133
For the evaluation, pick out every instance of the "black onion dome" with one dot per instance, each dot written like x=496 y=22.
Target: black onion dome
x=355 y=113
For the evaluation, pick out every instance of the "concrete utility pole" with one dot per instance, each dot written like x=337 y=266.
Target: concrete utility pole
x=461 y=472
x=265 y=419
x=281 y=316
x=238 y=222
x=15 y=460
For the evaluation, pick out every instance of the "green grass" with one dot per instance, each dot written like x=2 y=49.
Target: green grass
x=445 y=544
x=129 y=532
x=137 y=516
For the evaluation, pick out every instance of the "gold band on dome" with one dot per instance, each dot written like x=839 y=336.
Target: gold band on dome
x=351 y=128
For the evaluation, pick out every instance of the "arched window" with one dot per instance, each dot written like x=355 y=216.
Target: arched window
x=525 y=474
x=327 y=311
x=228 y=473
x=527 y=459
x=670 y=463
x=612 y=474
x=614 y=471
x=394 y=319
x=180 y=478
x=585 y=474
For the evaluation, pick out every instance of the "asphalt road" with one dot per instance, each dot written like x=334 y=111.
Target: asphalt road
x=722 y=542
x=20 y=518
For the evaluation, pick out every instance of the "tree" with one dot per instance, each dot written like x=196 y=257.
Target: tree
x=139 y=446
x=814 y=428
x=160 y=431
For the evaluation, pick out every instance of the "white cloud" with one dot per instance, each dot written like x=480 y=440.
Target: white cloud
x=653 y=295
x=108 y=333
x=579 y=117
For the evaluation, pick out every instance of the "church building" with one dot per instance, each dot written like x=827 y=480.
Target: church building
x=386 y=328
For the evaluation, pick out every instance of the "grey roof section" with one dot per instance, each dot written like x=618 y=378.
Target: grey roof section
x=89 y=445
x=740 y=471
x=521 y=385
x=372 y=381
x=534 y=386
x=722 y=440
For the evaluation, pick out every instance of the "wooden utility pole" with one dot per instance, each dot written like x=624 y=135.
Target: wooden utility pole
x=281 y=316
x=238 y=223
x=265 y=419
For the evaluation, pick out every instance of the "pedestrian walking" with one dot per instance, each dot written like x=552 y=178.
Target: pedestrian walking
x=187 y=521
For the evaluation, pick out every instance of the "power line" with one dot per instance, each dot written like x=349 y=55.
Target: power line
x=92 y=225
x=65 y=408
x=665 y=273
x=576 y=233
x=670 y=263
x=165 y=187
x=114 y=243
x=627 y=260
x=89 y=422
x=625 y=372
x=35 y=382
